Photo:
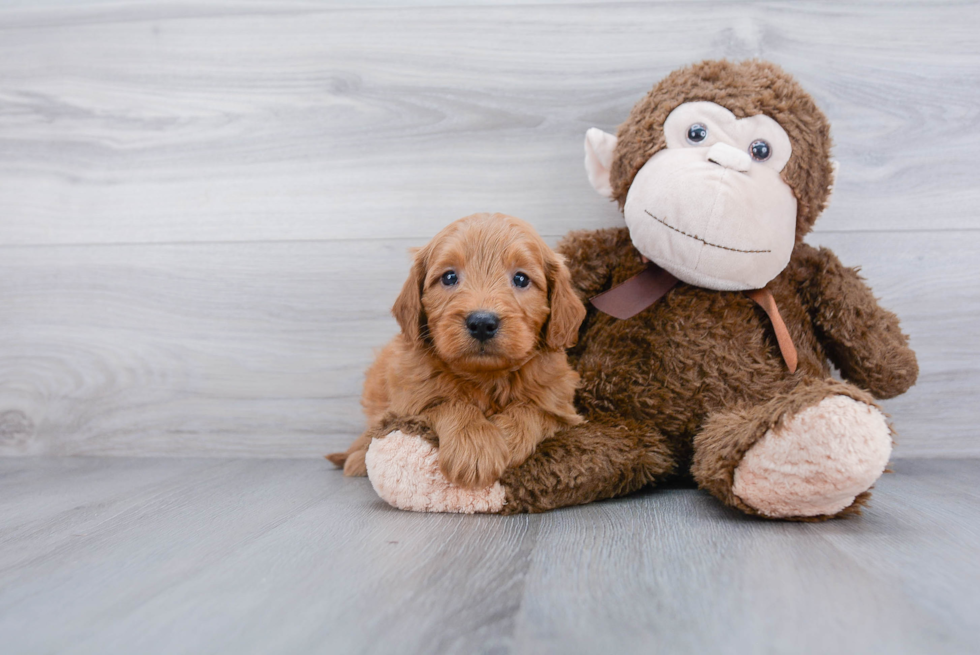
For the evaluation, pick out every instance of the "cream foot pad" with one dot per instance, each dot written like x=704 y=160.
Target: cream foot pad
x=404 y=470
x=818 y=462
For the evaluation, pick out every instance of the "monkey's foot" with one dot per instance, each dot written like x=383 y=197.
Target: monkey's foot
x=818 y=462
x=404 y=470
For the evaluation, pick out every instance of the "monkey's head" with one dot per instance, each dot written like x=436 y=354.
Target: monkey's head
x=720 y=170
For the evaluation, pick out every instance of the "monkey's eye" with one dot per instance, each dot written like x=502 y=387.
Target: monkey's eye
x=521 y=280
x=697 y=133
x=760 y=150
x=449 y=278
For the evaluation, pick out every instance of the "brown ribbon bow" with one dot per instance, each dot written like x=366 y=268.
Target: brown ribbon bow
x=628 y=299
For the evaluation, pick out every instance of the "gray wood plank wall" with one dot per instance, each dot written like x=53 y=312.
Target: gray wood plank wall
x=205 y=207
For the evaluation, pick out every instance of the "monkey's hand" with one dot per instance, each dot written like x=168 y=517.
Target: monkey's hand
x=861 y=338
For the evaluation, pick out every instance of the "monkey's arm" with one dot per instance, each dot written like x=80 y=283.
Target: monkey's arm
x=862 y=338
x=525 y=426
x=591 y=257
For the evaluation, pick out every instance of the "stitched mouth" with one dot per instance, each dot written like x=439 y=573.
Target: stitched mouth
x=697 y=238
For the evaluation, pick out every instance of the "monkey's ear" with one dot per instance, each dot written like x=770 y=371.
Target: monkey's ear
x=567 y=311
x=599 y=149
x=834 y=169
x=407 y=309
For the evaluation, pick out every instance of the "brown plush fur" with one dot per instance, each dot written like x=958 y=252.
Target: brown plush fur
x=491 y=402
x=746 y=89
x=692 y=382
x=700 y=372
x=726 y=436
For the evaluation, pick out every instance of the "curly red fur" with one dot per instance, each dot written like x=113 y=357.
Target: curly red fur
x=489 y=403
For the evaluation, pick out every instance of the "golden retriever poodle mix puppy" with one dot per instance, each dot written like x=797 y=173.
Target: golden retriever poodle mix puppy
x=485 y=315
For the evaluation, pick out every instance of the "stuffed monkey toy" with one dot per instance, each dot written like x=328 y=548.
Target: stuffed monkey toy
x=707 y=348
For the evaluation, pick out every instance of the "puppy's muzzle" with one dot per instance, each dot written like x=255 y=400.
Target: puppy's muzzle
x=482 y=325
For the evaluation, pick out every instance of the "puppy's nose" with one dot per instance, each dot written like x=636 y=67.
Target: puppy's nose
x=482 y=325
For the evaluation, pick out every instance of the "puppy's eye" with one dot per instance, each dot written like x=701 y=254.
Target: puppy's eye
x=697 y=133
x=449 y=278
x=521 y=280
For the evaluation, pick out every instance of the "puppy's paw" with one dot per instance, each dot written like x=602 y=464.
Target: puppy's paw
x=354 y=466
x=351 y=462
x=404 y=471
x=475 y=458
x=520 y=443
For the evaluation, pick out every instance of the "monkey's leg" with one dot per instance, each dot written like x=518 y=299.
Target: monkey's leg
x=809 y=454
x=596 y=460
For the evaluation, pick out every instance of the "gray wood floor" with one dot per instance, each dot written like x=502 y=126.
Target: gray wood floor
x=205 y=206
x=118 y=555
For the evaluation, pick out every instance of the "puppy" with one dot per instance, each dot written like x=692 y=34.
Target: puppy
x=485 y=318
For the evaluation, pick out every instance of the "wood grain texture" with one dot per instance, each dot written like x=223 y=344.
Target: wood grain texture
x=259 y=349
x=236 y=349
x=204 y=207
x=212 y=121
x=118 y=555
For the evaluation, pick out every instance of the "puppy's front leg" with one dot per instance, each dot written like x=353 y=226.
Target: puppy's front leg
x=524 y=427
x=472 y=450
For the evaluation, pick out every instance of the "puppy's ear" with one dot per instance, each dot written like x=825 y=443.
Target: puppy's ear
x=567 y=311
x=407 y=309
